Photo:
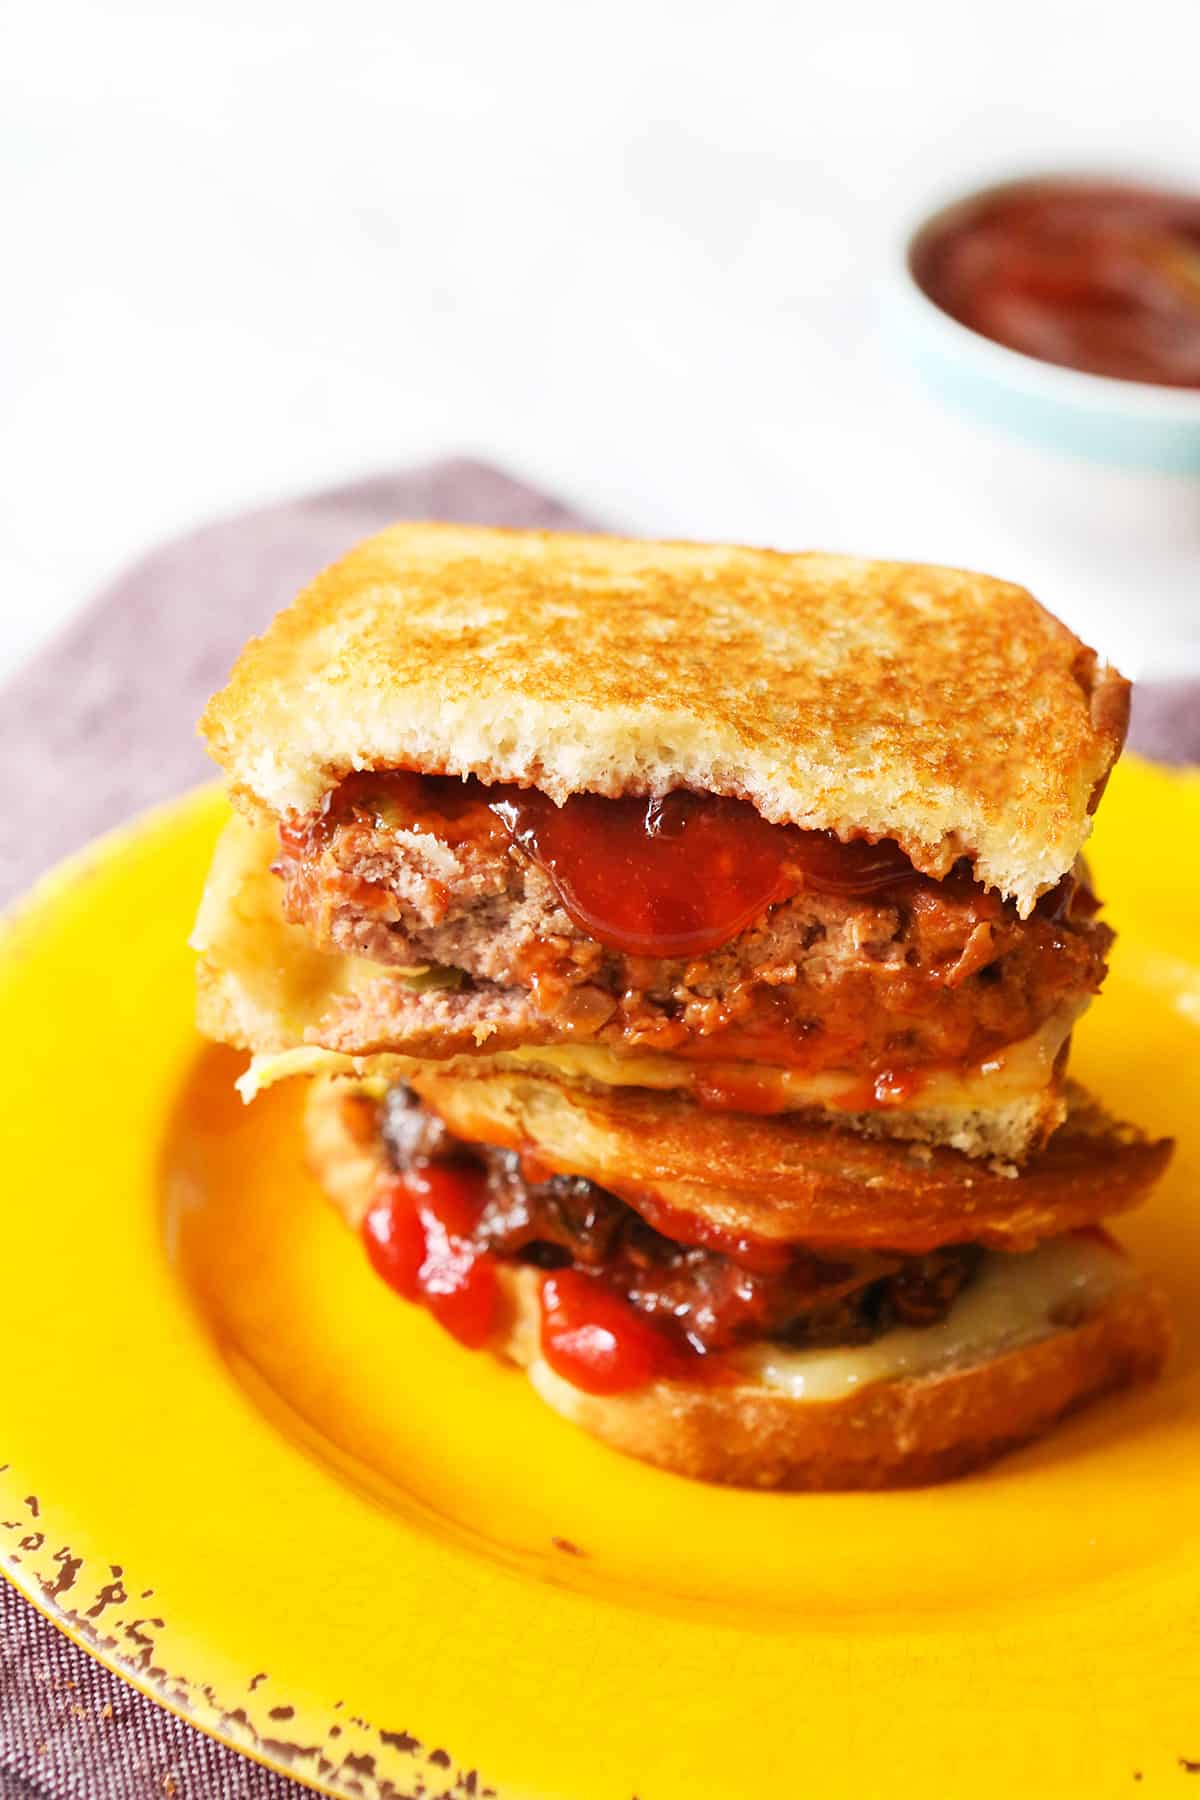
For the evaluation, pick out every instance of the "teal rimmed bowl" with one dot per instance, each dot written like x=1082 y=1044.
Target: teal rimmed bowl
x=1127 y=424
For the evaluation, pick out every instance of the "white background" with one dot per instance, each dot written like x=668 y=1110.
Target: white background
x=628 y=250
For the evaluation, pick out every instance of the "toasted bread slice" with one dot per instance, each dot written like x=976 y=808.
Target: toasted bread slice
x=796 y=1180
x=960 y=1411
x=900 y=1433
x=944 y=709
x=264 y=987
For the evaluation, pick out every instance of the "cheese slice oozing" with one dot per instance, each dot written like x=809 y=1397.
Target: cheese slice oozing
x=1019 y=1070
x=1015 y=1299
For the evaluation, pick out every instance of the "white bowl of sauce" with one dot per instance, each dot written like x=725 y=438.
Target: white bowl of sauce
x=1052 y=324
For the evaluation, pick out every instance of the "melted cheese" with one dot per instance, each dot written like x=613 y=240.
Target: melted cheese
x=1014 y=1300
x=1021 y=1070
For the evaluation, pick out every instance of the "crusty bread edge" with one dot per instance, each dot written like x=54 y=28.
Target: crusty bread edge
x=885 y=1435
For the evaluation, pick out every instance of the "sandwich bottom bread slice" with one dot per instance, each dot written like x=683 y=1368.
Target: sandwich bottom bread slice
x=727 y=1357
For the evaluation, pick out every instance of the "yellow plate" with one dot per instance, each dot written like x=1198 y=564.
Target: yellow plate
x=280 y=1500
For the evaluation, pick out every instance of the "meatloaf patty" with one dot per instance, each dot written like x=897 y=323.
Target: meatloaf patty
x=923 y=973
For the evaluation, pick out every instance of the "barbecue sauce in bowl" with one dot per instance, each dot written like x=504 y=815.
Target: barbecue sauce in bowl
x=1097 y=276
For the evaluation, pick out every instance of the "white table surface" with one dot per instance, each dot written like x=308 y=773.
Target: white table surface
x=628 y=251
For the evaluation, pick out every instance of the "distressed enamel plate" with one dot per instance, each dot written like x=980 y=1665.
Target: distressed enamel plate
x=283 y=1503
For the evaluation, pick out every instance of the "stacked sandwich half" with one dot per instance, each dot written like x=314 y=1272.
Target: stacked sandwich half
x=686 y=942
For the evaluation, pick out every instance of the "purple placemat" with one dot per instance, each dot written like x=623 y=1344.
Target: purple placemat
x=1166 y=721
x=97 y=727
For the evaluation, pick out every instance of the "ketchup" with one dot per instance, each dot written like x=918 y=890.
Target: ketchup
x=884 y=1088
x=595 y=1340
x=672 y=876
x=1091 y=275
x=418 y=1237
x=683 y=874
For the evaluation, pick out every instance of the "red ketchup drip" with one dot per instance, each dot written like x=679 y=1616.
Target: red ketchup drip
x=875 y=1093
x=681 y=875
x=598 y=1342
x=418 y=1237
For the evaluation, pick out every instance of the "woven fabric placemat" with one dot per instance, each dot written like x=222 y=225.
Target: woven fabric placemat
x=97 y=727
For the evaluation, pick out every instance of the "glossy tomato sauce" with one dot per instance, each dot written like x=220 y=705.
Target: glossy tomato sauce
x=669 y=877
x=595 y=1340
x=417 y=1234
x=684 y=874
x=1098 y=276
x=418 y=1238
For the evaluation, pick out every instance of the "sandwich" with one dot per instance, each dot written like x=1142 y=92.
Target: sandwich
x=682 y=944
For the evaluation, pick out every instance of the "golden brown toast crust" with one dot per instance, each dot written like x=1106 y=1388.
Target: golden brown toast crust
x=800 y=1181
x=943 y=708
x=887 y=1434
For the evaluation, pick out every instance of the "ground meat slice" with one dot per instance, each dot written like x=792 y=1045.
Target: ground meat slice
x=709 y=1300
x=926 y=974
